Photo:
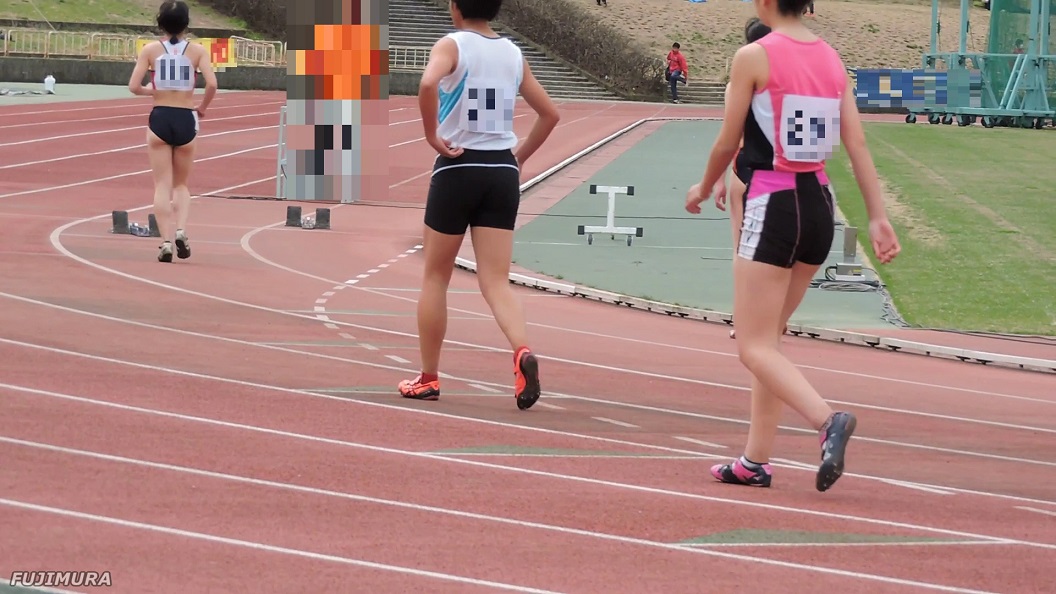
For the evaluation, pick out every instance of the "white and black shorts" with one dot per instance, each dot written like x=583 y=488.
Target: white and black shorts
x=788 y=218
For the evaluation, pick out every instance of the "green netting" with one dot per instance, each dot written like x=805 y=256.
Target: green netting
x=1010 y=26
x=1010 y=21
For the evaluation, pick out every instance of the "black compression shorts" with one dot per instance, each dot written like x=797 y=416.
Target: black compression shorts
x=475 y=189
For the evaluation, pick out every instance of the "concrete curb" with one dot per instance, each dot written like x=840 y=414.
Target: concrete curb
x=827 y=334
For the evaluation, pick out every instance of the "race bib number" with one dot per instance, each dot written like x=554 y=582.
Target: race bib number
x=487 y=107
x=810 y=128
x=173 y=72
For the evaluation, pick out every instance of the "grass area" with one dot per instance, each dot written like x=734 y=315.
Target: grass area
x=132 y=12
x=974 y=212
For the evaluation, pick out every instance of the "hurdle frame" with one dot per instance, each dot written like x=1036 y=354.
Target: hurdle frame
x=610 y=227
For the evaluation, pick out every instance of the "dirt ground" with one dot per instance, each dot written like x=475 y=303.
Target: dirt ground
x=867 y=33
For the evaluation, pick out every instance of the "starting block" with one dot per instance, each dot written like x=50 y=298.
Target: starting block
x=848 y=269
x=610 y=227
x=121 y=226
x=320 y=220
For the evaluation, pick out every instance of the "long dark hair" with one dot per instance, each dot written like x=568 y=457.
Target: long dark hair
x=173 y=18
x=754 y=30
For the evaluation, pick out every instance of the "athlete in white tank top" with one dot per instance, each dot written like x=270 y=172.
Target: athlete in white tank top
x=477 y=100
x=467 y=97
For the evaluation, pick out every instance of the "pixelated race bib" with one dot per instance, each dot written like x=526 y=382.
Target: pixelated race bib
x=487 y=106
x=810 y=128
x=173 y=73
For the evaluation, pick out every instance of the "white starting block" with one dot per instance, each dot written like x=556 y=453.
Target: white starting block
x=610 y=227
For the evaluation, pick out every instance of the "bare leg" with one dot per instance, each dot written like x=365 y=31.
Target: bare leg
x=766 y=407
x=494 y=250
x=182 y=162
x=762 y=291
x=161 y=165
x=440 y=251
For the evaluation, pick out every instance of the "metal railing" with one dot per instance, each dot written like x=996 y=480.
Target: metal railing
x=403 y=57
x=118 y=47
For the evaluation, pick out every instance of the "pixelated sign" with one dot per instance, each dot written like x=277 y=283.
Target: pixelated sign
x=919 y=88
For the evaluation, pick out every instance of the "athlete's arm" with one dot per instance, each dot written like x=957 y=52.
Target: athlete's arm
x=719 y=189
x=442 y=61
x=852 y=135
x=205 y=64
x=745 y=70
x=535 y=95
x=135 y=83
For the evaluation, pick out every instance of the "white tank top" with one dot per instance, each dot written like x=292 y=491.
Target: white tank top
x=173 y=70
x=477 y=99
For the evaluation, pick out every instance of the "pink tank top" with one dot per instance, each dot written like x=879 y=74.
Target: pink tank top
x=799 y=109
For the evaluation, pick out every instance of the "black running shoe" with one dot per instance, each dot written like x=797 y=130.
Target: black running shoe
x=834 y=435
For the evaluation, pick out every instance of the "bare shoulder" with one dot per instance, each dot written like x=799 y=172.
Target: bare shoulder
x=750 y=53
x=152 y=50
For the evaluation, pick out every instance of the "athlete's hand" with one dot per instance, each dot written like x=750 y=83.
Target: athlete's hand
x=441 y=146
x=693 y=199
x=201 y=111
x=884 y=239
x=720 y=194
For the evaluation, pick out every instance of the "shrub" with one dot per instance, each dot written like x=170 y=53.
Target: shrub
x=569 y=32
x=267 y=17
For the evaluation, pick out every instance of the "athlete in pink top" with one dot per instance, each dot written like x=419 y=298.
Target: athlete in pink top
x=790 y=99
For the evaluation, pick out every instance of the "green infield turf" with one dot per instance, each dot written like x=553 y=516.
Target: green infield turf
x=975 y=210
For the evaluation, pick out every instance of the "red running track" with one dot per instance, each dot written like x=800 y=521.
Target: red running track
x=229 y=421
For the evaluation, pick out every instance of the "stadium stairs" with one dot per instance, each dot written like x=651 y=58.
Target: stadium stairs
x=420 y=23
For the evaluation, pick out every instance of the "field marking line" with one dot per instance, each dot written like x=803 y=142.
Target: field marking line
x=400 y=504
x=488 y=465
x=258 y=546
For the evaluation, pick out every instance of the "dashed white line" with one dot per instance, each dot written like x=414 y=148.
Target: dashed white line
x=398 y=359
x=700 y=442
x=615 y=422
x=320 y=308
x=548 y=405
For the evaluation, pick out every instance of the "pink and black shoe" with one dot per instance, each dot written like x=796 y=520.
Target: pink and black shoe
x=737 y=473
